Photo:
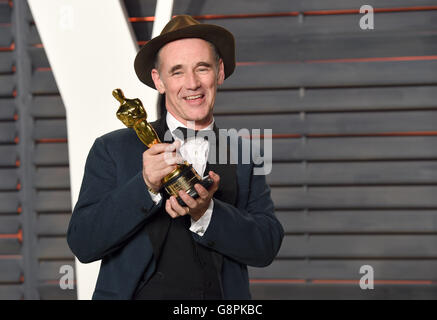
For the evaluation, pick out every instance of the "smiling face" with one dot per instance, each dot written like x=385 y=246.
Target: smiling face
x=189 y=76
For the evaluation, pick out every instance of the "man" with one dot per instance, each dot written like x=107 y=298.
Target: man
x=152 y=247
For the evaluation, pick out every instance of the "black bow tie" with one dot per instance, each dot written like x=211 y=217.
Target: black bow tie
x=185 y=133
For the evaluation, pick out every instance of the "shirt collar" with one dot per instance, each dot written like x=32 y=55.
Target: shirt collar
x=173 y=123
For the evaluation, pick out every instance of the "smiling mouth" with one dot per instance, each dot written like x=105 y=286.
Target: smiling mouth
x=197 y=96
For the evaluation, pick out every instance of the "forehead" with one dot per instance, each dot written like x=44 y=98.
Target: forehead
x=185 y=51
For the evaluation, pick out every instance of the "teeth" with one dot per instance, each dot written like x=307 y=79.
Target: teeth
x=193 y=97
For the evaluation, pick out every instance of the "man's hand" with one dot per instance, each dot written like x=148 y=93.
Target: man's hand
x=195 y=207
x=159 y=161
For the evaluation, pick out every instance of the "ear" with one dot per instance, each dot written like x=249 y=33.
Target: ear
x=221 y=73
x=157 y=81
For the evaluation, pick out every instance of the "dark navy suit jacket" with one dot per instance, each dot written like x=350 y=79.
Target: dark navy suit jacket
x=114 y=206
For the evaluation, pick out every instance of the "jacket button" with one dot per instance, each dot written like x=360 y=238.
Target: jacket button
x=211 y=243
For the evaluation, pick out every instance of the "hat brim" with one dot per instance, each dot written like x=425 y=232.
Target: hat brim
x=222 y=39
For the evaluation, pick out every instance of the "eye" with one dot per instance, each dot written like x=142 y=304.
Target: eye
x=202 y=69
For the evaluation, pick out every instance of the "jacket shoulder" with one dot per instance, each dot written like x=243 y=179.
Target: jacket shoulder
x=119 y=142
x=119 y=135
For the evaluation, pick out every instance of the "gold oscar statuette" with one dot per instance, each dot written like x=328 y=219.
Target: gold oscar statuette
x=132 y=113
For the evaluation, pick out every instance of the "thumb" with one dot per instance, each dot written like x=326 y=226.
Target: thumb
x=177 y=145
x=216 y=178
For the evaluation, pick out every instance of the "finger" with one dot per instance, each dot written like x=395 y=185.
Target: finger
x=170 y=158
x=177 y=145
x=155 y=160
x=162 y=161
x=189 y=201
x=216 y=178
x=160 y=148
x=171 y=150
x=170 y=210
x=157 y=175
x=201 y=191
x=177 y=207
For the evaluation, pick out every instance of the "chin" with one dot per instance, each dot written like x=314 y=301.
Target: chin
x=198 y=117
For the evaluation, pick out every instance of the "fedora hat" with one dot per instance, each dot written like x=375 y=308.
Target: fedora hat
x=181 y=27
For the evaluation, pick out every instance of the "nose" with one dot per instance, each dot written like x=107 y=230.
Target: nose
x=192 y=81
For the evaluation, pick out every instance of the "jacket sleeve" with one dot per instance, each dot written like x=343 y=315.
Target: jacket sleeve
x=252 y=235
x=106 y=215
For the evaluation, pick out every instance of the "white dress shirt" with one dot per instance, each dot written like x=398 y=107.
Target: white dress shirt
x=195 y=151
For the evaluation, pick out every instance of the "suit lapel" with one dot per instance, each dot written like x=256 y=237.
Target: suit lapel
x=227 y=190
x=161 y=128
x=159 y=224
